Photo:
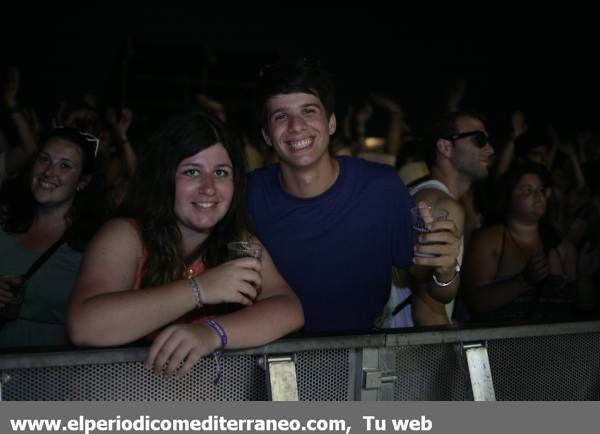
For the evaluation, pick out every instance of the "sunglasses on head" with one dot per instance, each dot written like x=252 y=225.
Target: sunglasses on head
x=92 y=139
x=479 y=138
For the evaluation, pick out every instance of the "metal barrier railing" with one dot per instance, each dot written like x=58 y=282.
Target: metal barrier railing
x=534 y=362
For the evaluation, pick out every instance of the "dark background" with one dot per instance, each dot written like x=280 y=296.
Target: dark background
x=545 y=62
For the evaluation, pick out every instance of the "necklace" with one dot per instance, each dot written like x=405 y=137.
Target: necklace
x=193 y=269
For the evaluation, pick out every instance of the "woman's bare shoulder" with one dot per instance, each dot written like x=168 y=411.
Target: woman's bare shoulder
x=120 y=232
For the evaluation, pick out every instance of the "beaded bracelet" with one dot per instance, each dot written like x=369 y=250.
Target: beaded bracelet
x=196 y=290
x=217 y=354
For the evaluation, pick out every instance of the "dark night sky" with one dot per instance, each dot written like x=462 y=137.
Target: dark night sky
x=545 y=62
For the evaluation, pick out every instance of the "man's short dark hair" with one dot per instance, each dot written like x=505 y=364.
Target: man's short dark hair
x=294 y=76
x=446 y=127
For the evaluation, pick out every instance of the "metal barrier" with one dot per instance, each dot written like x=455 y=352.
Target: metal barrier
x=534 y=362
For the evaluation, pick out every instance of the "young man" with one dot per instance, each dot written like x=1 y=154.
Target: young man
x=462 y=155
x=334 y=226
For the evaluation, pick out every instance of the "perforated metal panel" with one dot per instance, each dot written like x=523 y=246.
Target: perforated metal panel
x=430 y=373
x=324 y=375
x=242 y=379
x=543 y=368
x=559 y=362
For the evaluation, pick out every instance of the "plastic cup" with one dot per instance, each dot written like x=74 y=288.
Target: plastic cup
x=422 y=219
x=244 y=249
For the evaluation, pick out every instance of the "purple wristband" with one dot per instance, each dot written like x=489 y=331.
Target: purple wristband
x=220 y=331
x=217 y=354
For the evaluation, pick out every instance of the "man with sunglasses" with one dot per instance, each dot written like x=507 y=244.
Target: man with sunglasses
x=461 y=154
x=334 y=226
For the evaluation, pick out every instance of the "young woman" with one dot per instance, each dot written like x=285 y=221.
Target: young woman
x=517 y=270
x=57 y=202
x=164 y=270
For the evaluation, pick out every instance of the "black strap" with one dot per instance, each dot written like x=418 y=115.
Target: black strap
x=402 y=305
x=44 y=257
x=501 y=255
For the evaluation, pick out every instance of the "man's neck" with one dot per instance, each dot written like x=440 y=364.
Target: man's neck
x=456 y=184
x=306 y=182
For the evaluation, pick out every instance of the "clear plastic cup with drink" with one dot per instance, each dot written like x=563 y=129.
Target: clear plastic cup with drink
x=423 y=216
x=244 y=249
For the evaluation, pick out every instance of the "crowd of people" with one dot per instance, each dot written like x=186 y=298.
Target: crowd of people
x=100 y=246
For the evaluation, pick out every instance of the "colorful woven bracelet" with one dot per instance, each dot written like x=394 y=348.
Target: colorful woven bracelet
x=217 y=354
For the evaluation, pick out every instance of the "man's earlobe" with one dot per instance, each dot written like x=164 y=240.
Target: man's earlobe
x=266 y=137
x=332 y=124
x=444 y=147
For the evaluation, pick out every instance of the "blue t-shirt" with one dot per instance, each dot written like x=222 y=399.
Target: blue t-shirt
x=336 y=250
